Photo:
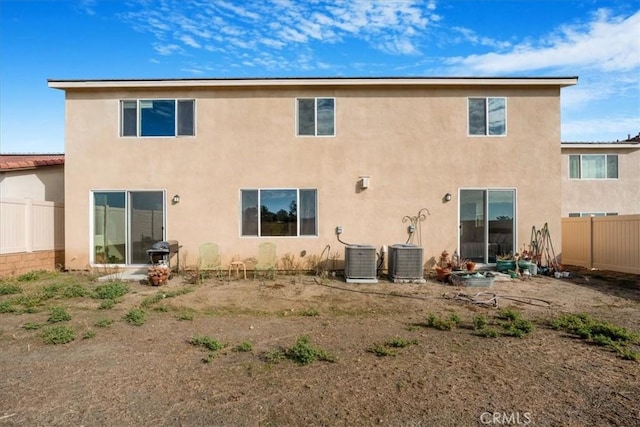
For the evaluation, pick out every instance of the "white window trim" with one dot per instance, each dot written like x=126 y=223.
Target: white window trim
x=486 y=118
x=259 y=236
x=592 y=179
x=138 y=118
x=592 y=214
x=91 y=247
x=315 y=125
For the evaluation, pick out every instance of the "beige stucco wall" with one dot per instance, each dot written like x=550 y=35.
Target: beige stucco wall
x=43 y=183
x=411 y=141
x=621 y=196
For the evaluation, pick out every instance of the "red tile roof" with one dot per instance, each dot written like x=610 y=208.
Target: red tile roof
x=29 y=161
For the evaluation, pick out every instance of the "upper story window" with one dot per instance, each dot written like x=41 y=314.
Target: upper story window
x=316 y=116
x=157 y=117
x=593 y=166
x=582 y=214
x=487 y=116
x=281 y=212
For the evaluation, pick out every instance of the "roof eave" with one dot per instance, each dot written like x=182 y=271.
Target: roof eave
x=316 y=81
x=600 y=145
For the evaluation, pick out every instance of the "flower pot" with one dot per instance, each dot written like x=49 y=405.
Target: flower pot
x=504 y=266
x=442 y=274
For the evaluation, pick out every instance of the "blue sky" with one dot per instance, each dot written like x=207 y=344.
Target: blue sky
x=599 y=41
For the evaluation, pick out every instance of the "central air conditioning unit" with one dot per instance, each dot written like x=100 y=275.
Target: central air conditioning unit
x=360 y=264
x=405 y=263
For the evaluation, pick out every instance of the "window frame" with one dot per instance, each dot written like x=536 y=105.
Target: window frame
x=138 y=118
x=580 y=177
x=591 y=214
x=315 y=117
x=487 y=114
x=258 y=226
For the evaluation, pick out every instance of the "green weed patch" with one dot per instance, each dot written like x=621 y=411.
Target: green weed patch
x=60 y=334
x=600 y=333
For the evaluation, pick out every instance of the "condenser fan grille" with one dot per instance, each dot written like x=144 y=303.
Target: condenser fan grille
x=405 y=262
x=360 y=263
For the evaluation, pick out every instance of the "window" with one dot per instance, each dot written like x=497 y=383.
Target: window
x=487 y=116
x=582 y=214
x=288 y=212
x=157 y=117
x=593 y=166
x=316 y=116
x=126 y=224
x=487 y=223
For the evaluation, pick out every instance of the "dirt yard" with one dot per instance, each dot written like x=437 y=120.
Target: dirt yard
x=115 y=373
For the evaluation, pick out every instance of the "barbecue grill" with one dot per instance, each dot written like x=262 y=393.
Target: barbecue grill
x=164 y=251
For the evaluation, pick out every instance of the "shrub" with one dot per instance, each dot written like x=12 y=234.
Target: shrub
x=74 y=290
x=206 y=342
x=304 y=353
x=518 y=328
x=310 y=312
x=30 y=276
x=245 y=346
x=185 y=315
x=598 y=332
x=60 y=334
x=136 y=317
x=7 y=307
x=58 y=314
x=400 y=343
x=103 y=323
x=9 y=288
x=111 y=290
x=480 y=322
x=434 y=321
x=30 y=326
x=107 y=304
x=381 y=350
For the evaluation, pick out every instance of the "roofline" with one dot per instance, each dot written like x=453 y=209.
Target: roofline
x=312 y=81
x=600 y=145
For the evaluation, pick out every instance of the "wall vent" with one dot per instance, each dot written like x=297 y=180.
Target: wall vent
x=405 y=262
x=360 y=264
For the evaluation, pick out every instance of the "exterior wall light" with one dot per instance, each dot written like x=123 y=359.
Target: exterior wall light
x=447 y=197
x=176 y=199
x=364 y=182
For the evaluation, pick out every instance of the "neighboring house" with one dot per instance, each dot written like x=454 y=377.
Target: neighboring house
x=31 y=212
x=238 y=162
x=601 y=178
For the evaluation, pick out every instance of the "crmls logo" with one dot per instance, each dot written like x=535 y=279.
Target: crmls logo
x=506 y=418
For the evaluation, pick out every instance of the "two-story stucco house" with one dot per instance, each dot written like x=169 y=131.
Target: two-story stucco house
x=238 y=162
x=601 y=178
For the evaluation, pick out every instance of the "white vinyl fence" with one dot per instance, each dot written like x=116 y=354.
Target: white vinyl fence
x=27 y=226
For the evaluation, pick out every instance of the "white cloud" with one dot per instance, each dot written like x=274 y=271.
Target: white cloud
x=607 y=128
x=167 y=49
x=391 y=26
x=607 y=44
x=189 y=41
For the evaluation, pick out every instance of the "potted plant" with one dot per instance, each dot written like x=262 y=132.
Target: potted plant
x=471 y=265
x=443 y=266
x=504 y=263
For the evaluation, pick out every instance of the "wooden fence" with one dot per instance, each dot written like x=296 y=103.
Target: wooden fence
x=31 y=235
x=602 y=242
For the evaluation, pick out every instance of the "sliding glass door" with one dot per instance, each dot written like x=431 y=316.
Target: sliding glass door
x=487 y=224
x=125 y=225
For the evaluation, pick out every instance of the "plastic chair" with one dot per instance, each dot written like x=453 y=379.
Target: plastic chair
x=210 y=258
x=266 y=260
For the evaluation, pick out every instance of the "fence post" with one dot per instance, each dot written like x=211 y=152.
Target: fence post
x=28 y=225
x=590 y=228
